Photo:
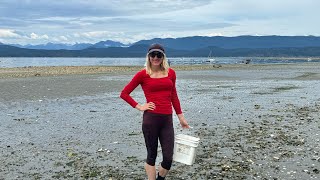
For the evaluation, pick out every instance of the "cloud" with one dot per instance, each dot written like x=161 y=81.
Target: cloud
x=63 y=38
x=128 y=21
x=7 y=33
x=27 y=9
x=36 y=36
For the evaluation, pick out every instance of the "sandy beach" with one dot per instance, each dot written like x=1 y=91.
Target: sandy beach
x=254 y=122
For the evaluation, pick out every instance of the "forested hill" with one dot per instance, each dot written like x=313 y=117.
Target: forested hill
x=197 y=42
x=295 y=46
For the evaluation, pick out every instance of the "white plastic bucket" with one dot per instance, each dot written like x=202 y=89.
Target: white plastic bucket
x=185 y=149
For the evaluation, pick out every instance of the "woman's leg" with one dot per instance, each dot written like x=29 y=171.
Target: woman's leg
x=150 y=128
x=167 y=143
x=162 y=171
x=151 y=171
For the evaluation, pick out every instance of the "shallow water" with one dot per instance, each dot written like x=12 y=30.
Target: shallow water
x=8 y=62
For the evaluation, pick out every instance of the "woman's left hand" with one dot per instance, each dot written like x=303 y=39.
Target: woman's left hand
x=183 y=122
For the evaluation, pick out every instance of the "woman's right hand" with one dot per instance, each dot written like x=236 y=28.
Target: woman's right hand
x=147 y=106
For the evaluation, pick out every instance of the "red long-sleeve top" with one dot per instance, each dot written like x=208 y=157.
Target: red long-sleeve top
x=161 y=91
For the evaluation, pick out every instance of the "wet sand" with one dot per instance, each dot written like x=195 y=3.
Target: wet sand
x=254 y=122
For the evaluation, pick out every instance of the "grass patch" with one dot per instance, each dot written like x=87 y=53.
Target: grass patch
x=134 y=133
x=306 y=75
x=228 y=97
x=92 y=172
x=276 y=90
x=284 y=88
x=262 y=93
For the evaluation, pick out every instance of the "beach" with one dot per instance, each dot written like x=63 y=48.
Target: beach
x=254 y=122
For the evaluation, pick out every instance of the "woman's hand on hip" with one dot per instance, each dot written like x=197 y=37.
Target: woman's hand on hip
x=146 y=106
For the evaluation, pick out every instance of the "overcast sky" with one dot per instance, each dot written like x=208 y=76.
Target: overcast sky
x=128 y=21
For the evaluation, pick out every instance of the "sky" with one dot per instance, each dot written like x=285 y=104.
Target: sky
x=128 y=21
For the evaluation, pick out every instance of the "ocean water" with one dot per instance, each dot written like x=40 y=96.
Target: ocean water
x=8 y=62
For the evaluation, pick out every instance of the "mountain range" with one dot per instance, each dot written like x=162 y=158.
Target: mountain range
x=194 y=46
x=77 y=46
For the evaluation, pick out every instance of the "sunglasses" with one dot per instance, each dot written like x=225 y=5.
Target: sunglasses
x=154 y=54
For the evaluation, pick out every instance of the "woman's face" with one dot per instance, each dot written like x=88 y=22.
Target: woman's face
x=155 y=58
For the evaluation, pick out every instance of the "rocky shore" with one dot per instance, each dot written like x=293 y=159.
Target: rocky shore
x=69 y=70
x=254 y=122
x=32 y=71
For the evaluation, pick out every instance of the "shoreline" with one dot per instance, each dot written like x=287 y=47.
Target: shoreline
x=34 y=71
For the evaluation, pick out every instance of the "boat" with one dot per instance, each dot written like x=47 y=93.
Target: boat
x=210 y=58
x=247 y=61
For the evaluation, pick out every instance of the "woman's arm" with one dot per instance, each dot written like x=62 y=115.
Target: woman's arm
x=125 y=93
x=174 y=95
x=176 y=103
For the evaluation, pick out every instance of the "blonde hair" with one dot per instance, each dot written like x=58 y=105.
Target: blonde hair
x=164 y=66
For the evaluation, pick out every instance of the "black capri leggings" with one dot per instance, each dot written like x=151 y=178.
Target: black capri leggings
x=158 y=127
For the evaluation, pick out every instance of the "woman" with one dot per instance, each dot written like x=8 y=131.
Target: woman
x=158 y=83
